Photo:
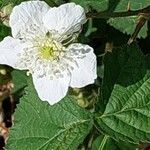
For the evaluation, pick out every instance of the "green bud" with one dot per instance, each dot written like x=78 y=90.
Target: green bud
x=6 y=10
x=3 y=72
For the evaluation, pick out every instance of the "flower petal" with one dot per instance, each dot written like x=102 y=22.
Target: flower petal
x=84 y=72
x=65 y=18
x=10 y=49
x=26 y=19
x=51 y=90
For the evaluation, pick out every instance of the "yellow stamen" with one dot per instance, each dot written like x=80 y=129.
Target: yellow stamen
x=47 y=52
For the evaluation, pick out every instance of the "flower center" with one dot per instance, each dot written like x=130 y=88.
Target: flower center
x=50 y=49
x=46 y=52
x=47 y=56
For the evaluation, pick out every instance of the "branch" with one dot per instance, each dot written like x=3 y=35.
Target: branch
x=139 y=26
x=118 y=14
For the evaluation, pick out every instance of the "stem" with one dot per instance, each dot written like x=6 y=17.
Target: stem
x=101 y=147
x=118 y=14
x=140 y=24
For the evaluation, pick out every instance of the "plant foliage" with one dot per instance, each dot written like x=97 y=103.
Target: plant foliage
x=111 y=114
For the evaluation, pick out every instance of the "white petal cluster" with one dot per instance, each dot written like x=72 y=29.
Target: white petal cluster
x=42 y=42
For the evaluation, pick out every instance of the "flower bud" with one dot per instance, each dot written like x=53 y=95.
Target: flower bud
x=3 y=72
x=6 y=10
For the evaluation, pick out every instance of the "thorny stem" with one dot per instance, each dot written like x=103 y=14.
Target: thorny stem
x=118 y=14
x=144 y=15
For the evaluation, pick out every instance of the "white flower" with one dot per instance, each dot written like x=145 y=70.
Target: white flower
x=40 y=44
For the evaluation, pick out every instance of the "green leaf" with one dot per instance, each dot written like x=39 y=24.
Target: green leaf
x=39 y=126
x=19 y=79
x=95 y=4
x=124 y=24
x=112 y=68
x=53 y=3
x=4 y=31
x=134 y=5
x=111 y=143
x=98 y=5
x=127 y=114
x=128 y=24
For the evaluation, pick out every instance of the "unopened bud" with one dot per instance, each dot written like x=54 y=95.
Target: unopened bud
x=3 y=72
x=6 y=10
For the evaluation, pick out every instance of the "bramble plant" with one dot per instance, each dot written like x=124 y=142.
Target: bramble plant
x=79 y=73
